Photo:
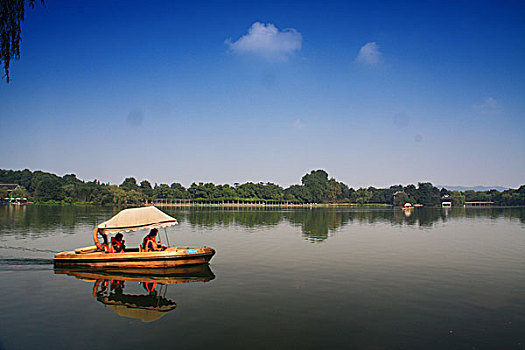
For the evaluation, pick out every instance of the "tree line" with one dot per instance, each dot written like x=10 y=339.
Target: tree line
x=315 y=187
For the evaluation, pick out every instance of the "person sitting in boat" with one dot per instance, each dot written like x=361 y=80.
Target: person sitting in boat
x=117 y=244
x=150 y=242
x=150 y=287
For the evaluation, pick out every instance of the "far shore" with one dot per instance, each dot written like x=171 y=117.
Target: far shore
x=219 y=204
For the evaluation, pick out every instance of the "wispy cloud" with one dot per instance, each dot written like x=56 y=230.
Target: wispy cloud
x=490 y=105
x=267 y=41
x=135 y=117
x=298 y=124
x=369 y=54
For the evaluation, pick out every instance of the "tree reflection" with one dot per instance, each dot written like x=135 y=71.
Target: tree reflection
x=43 y=218
x=207 y=217
x=316 y=224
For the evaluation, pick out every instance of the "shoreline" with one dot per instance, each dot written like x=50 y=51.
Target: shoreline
x=252 y=205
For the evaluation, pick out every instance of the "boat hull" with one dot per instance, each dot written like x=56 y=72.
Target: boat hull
x=171 y=257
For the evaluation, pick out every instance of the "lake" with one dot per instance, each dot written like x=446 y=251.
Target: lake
x=281 y=279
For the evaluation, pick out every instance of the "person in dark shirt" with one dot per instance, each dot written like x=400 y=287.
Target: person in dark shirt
x=150 y=242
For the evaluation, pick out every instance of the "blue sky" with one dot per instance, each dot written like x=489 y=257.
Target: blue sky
x=375 y=93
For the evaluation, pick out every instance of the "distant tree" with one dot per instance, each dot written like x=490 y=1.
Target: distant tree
x=42 y=186
x=428 y=195
x=162 y=191
x=12 y=14
x=458 y=199
x=396 y=188
x=381 y=195
x=362 y=196
x=317 y=184
x=400 y=199
x=298 y=193
x=334 y=191
x=346 y=192
x=246 y=190
x=512 y=197
x=71 y=179
x=129 y=183
x=118 y=195
x=211 y=191
x=412 y=192
x=3 y=193
x=49 y=188
x=101 y=195
x=69 y=191
x=145 y=187
x=25 y=178
x=135 y=197
x=269 y=191
x=179 y=191
x=225 y=192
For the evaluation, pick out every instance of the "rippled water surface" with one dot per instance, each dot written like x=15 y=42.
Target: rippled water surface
x=281 y=279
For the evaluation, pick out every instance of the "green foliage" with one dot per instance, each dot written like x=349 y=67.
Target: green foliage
x=317 y=184
x=145 y=187
x=401 y=199
x=334 y=191
x=298 y=193
x=362 y=196
x=162 y=191
x=178 y=191
x=428 y=195
x=458 y=199
x=130 y=184
x=48 y=188
x=40 y=186
x=3 y=193
x=381 y=195
x=12 y=13
x=19 y=192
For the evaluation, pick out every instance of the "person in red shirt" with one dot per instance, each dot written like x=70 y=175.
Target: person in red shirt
x=117 y=244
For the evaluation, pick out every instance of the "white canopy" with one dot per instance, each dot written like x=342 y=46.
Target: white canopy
x=137 y=219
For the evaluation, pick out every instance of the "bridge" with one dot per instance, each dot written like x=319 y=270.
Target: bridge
x=225 y=203
x=479 y=204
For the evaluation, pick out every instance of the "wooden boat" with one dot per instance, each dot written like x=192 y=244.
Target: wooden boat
x=98 y=256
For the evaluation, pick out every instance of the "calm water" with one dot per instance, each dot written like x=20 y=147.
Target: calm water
x=315 y=279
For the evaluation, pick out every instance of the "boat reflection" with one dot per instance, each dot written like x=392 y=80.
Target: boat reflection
x=151 y=304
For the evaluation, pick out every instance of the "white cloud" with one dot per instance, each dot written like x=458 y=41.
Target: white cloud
x=298 y=124
x=370 y=54
x=267 y=41
x=488 y=106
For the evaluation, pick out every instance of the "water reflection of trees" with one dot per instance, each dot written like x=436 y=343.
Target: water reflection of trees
x=208 y=217
x=316 y=224
x=38 y=219
x=320 y=223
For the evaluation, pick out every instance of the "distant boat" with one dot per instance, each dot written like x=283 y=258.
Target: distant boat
x=132 y=220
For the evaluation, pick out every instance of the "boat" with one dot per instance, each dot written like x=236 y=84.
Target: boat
x=111 y=287
x=407 y=206
x=134 y=219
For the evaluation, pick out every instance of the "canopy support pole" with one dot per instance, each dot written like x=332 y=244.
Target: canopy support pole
x=167 y=239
